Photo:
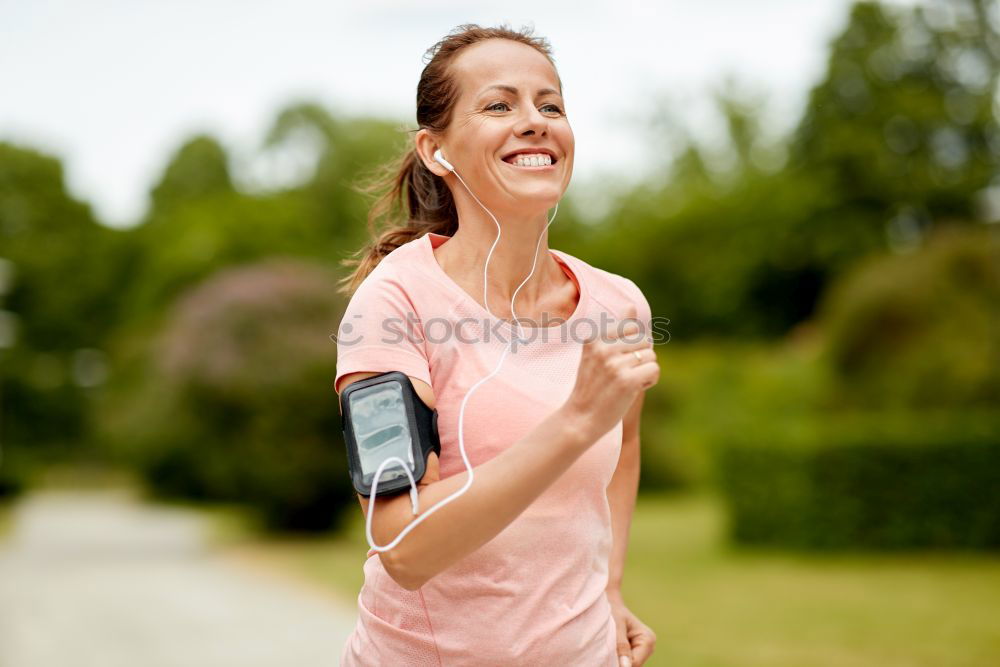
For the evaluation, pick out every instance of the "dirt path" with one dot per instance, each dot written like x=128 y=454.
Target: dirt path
x=93 y=578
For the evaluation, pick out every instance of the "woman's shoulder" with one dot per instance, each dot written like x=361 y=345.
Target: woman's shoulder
x=404 y=260
x=610 y=289
x=401 y=271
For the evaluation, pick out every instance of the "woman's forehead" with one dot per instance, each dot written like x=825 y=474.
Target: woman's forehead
x=520 y=66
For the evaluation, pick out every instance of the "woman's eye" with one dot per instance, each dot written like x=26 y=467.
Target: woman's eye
x=496 y=104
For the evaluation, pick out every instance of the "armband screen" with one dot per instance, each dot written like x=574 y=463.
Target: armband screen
x=382 y=416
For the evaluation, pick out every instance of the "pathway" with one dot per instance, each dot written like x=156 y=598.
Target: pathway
x=93 y=578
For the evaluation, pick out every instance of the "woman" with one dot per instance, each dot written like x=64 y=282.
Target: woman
x=525 y=567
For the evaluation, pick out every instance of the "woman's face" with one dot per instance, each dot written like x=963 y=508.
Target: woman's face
x=509 y=100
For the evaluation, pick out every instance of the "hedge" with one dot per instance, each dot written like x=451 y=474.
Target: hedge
x=867 y=483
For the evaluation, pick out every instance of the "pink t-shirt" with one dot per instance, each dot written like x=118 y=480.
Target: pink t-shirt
x=534 y=594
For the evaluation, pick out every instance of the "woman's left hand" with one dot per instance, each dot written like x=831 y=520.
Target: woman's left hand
x=635 y=639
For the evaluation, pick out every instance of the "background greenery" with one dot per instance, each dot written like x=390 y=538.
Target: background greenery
x=833 y=298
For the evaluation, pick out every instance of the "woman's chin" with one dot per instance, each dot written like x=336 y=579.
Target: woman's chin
x=534 y=202
x=542 y=196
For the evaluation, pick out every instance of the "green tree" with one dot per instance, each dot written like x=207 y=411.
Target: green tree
x=898 y=136
x=61 y=303
x=237 y=403
x=903 y=127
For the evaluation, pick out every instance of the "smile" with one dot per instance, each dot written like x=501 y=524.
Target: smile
x=529 y=167
x=542 y=159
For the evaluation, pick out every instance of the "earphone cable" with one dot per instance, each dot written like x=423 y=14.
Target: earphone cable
x=461 y=414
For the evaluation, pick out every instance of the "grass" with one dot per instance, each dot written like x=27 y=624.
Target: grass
x=715 y=605
x=711 y=605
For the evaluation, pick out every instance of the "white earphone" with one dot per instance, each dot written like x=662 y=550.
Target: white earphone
x=461 y=413
x=440 y=158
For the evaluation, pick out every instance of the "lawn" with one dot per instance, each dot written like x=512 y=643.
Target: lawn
x=711 y=605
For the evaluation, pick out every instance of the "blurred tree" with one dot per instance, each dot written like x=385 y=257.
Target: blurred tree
x=200 y=220
x=708 y=243
x=899 y=135
x=198 y=170
x=345 y=152
x=903 y=128
x=60 y=304
x=920 y=330
x=209 y=212
x=238 y=401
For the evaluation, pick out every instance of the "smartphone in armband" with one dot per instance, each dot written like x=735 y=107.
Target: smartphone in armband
x=382 y=416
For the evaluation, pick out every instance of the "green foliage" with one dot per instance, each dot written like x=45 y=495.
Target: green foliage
x=711 y=389
x=195 y=239
x=899 y=136
x=902 y=128
x=16 y=471
x=238 y=404
x=64 y=263
x=59 y=295
x=199 y=222
x=865 y=481
x=347 y=152
x=919 y=329
x=164 y=406
x=198 y=170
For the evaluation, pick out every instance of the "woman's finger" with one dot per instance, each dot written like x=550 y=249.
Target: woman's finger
x=623 y=646
x=643 y=642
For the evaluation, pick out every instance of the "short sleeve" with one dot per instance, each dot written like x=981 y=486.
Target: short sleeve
x=642 y=309
x=381 y=331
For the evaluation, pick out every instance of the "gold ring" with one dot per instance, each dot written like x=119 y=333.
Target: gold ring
x=637 y=355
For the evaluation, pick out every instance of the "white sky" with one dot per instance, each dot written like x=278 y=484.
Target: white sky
x=113 y=87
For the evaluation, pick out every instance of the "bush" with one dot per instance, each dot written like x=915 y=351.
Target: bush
x=867 y=481
x=709 y=389
x=239 y=404
x=15 y=473
x=919 y=330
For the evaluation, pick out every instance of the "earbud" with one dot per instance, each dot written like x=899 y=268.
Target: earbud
x=440 y=158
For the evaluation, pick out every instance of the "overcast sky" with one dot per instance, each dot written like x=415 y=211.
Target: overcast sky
x=112 y=87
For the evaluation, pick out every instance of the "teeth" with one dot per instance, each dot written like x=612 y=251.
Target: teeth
x=533 y=160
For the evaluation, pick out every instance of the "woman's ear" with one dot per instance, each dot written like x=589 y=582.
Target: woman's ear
x=425 y=144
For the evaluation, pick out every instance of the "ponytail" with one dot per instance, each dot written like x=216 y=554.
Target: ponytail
x=429 y=207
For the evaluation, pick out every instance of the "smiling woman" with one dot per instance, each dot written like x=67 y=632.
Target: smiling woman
x=523 y=566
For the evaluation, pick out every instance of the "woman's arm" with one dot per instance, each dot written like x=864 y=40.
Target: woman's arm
x=502 y=488
x=622 y=493
x=607 y=383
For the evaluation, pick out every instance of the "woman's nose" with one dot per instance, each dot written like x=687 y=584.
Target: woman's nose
x=530 y=121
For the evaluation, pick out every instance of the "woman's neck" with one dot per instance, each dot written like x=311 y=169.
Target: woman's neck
x=462 y=257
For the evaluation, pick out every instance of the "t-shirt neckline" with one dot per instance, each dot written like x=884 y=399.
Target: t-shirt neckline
x=431 y=240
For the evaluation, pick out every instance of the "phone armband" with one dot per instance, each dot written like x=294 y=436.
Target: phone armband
x=382 y=416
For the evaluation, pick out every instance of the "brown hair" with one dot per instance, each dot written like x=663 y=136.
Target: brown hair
x=406 y=180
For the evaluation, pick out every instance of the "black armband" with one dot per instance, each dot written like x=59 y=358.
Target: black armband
x=382 y=416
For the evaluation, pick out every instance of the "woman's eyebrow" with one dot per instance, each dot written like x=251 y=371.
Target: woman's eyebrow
x=513 y=90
